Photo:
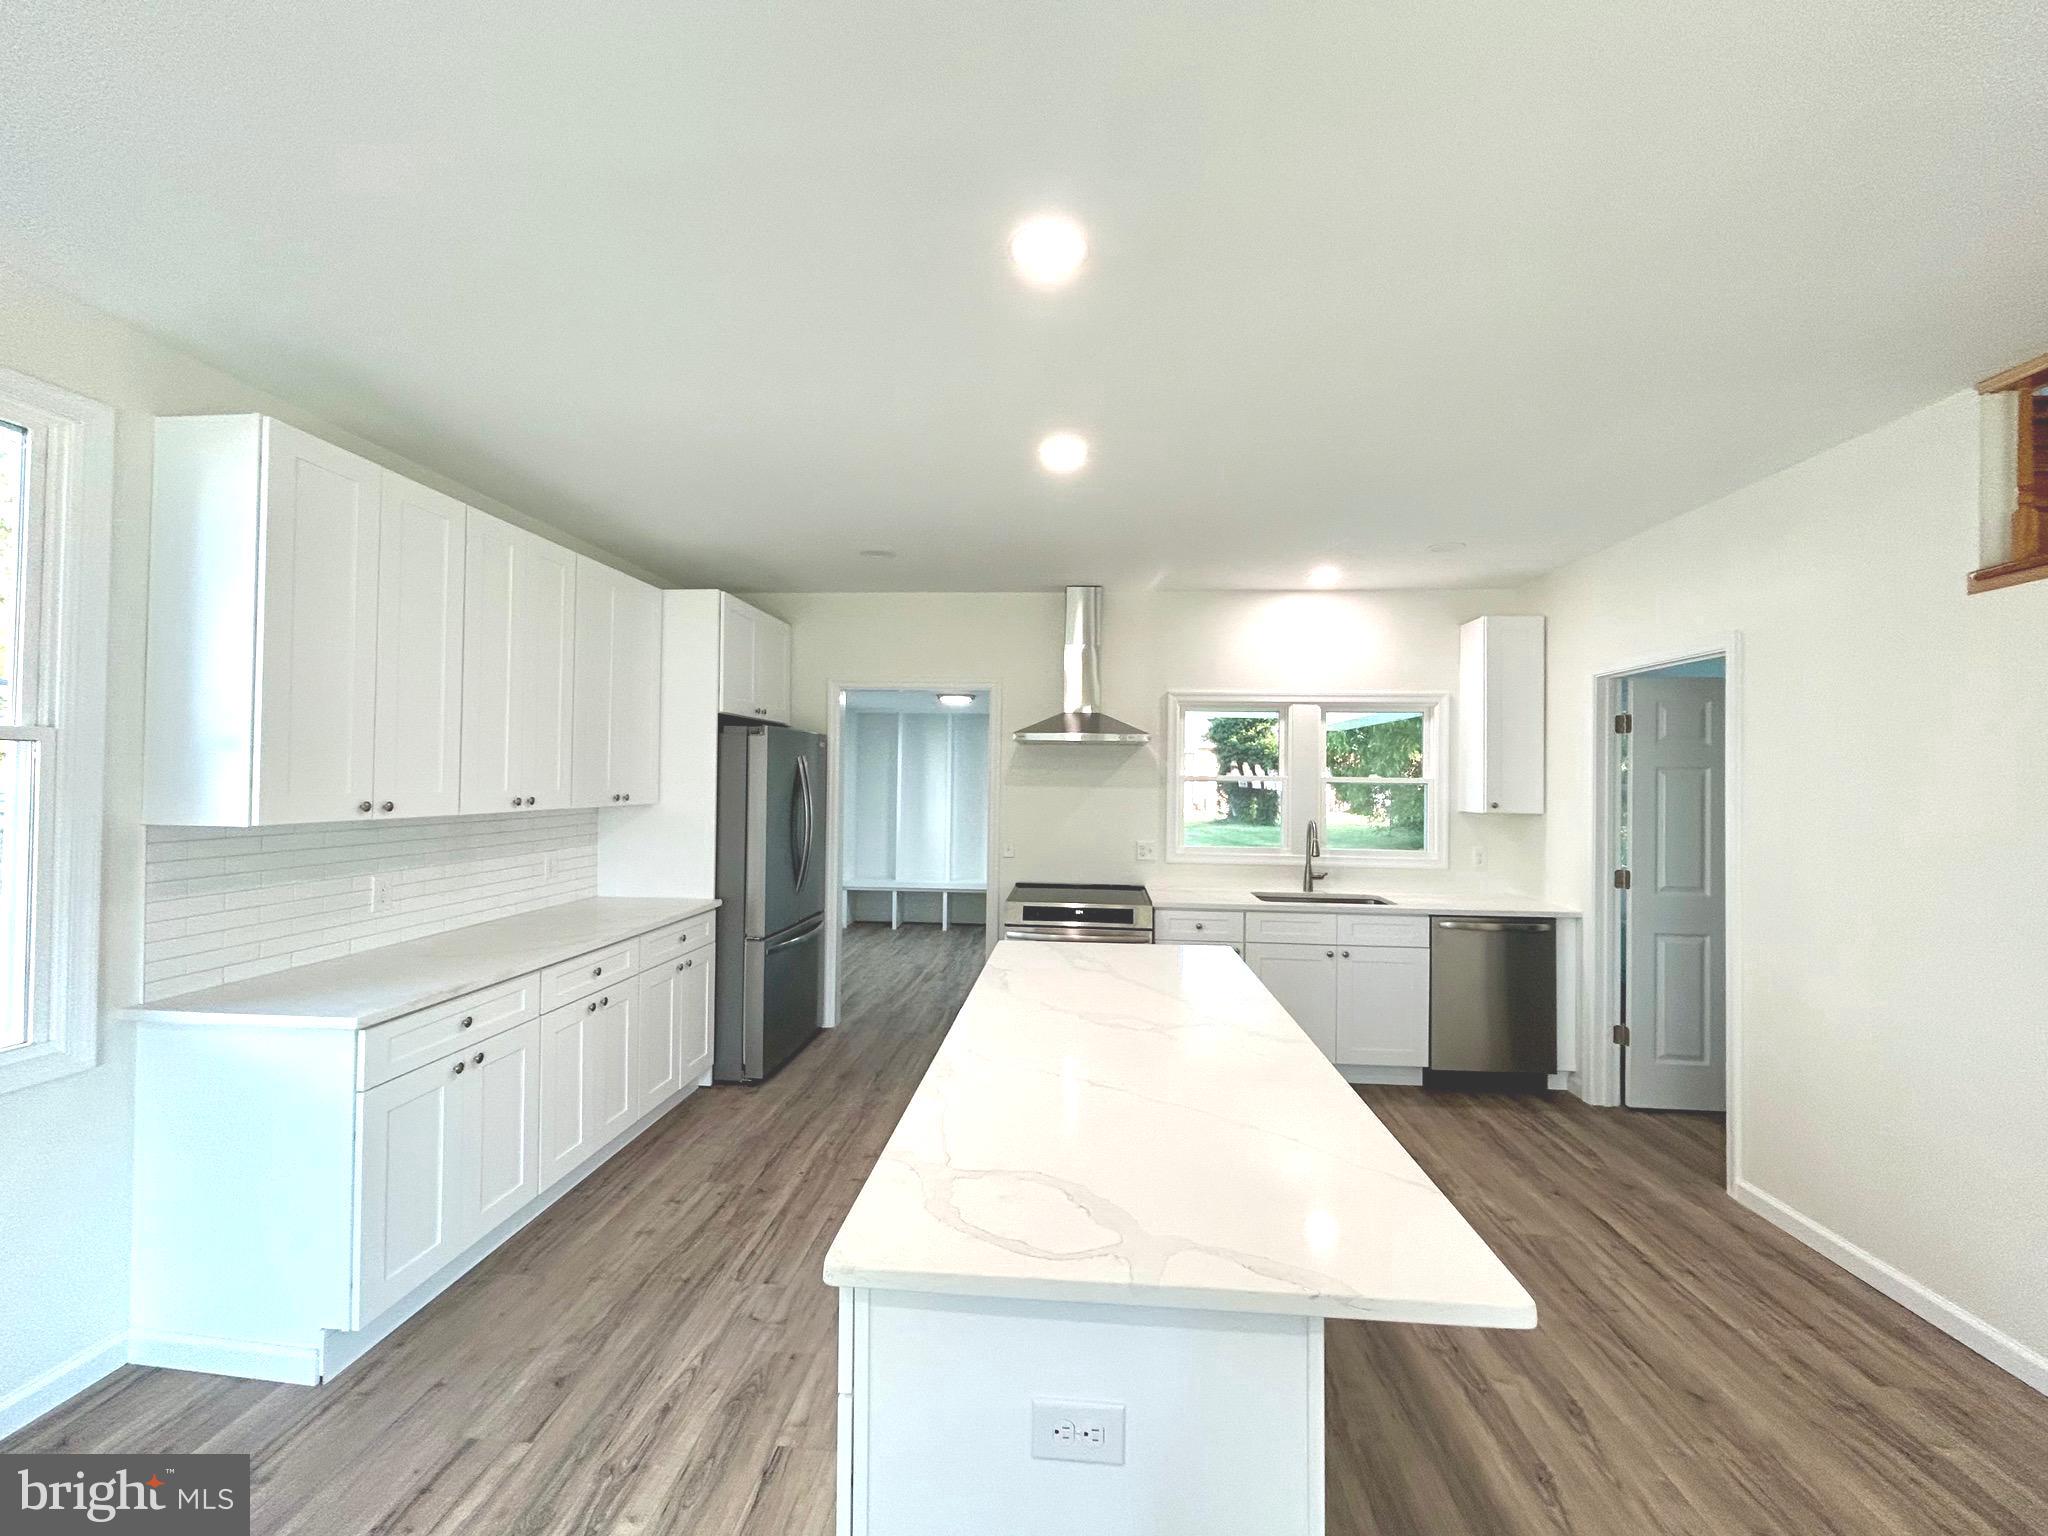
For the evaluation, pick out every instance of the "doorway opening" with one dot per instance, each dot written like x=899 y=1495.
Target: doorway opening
x=1666 y=1025
x=914 y=795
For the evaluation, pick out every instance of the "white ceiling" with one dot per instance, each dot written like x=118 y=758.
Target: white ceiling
x=721 y=286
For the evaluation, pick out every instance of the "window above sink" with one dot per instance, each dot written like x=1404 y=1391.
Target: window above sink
x=1248 y=772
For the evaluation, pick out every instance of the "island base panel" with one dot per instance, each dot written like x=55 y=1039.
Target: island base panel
x=1223 y=1418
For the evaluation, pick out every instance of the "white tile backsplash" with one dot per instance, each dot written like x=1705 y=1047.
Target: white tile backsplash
x=223 y=903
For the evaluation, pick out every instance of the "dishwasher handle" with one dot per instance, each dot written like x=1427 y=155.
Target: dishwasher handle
x=1468 y=926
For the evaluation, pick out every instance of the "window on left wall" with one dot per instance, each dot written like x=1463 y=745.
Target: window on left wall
x=56 y=452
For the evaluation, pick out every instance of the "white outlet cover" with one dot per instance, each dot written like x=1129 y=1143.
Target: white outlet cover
x=1147 y=850
x=1065 y=1430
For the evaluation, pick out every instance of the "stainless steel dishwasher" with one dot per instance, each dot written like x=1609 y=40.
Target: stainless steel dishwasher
x=1492 y=994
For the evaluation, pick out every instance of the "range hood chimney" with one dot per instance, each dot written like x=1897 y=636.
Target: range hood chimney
x=1081 y=718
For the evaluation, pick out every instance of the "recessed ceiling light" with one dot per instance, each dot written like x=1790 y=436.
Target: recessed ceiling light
x=1450 y=547
x=1047 y=249
x=1325 y=576
x=956 y=700
x=878 y=554
x=1062 y=453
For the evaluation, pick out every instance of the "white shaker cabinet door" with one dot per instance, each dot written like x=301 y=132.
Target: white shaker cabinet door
x=419 y=651
x=317 y=689
x=566 y=1065
x=656 y=1064
x=543 y=669
x=696 y=995
x=771 y=669
x=490 y=780
x=1382 y=1007
x=609 y=1043
x=411 y=1145
x=1303 y=979
x=618 y=687
x=503 y=1162
x=738 y=639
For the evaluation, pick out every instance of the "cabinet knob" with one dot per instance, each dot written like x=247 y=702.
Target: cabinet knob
x=604 y=1002
x=1198 y=927
x=1347 y=954
x=686 y=965
x=627 y=795
x=459 y=1066
x=387 y=806
x=468 y=1019
x=362 y=805
x=529 y=799
x=1329 y=954
x=1493 y=805
x=478 y=1058
x=615 y=799
x=597 y=970
x=590 y=1007
x=516 y=803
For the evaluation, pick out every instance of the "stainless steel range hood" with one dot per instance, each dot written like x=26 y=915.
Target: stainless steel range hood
x=1081 y=720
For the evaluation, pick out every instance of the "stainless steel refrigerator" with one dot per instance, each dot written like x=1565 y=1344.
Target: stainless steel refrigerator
x=771 y=879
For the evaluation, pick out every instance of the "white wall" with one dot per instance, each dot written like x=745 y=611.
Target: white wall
x=1890 y=965
x=64 y=1146
x=1073 y=812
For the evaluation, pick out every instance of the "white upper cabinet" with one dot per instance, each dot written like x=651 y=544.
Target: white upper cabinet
x=419 y=651
x=753 y=662
x=618 y=687
x=271 y=640
x=1500 y=715
x=519 y=633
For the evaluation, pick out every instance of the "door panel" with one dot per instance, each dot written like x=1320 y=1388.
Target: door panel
x=1676 y=1056
x=653 y=1030
x=1303 y=980
x=1383 y=1007
x=737 y=638
x=771 y=669
x=696 y=998
x=613 y=1107
x=490 y=780
x=316 y=720
x=566 y=1066
x=505 y=1141
x=419 y=651
x=636 y=692
x=409 y=1146
x=543 y=669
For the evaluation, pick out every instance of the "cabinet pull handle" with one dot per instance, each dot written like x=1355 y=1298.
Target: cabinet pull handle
x=362 y=805
x=478 y=1058
x=459 y=1066
x=468 y=1019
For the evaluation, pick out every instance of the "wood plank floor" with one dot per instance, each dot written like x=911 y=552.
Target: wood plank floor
x=655 y=1354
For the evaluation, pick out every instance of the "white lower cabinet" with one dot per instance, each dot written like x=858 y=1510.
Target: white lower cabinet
x=302 y=1183
x=1303 y=977
x=1382 y=1007
x=1359 y=988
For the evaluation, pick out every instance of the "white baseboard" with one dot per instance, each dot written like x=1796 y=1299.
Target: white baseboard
x=66 y=1379
x=253 y=1358
x=1399 y=1077
x=1966 y=1328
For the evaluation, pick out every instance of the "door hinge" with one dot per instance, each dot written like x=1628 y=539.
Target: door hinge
x=1624 y=724
x=1621 y=1034
x=1623 y=880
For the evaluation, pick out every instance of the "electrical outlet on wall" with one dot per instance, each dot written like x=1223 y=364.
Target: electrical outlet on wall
x=380 y=894
x=1009 y=850
x=1071 y=1431
x=1146 y=850
x=1479 y=856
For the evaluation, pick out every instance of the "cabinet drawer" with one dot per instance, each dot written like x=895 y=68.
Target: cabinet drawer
x=585 y=974
x=677 y=939
x=383 y=1051
x=1403 y=932
x=1198 y=927
x=1290 y=927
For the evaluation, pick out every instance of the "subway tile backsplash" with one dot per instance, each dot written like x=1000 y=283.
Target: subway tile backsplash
x=221 y=904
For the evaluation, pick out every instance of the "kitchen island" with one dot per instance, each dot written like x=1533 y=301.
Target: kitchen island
x=1084 y=1286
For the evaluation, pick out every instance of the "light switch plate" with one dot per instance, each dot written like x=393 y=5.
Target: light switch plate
x=1063 y=1430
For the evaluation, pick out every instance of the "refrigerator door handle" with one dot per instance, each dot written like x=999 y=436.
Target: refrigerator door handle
x=801 y=796
x=795 y=939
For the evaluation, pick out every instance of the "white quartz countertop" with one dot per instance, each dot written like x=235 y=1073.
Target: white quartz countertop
x=1450 y=902
x=1145 y=1125
x=355 y=991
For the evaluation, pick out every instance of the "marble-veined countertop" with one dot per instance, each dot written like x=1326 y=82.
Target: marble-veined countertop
x=356 y=991
x=1145 y=1125
x=1450 y=901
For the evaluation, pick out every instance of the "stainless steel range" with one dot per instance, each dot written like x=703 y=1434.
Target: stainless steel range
x=1079 y=914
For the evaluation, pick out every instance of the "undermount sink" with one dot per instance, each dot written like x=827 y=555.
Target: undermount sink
x=1325 y=898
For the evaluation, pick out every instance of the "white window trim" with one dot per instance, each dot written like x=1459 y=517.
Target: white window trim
x=1301 y=768
x=74 y=439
